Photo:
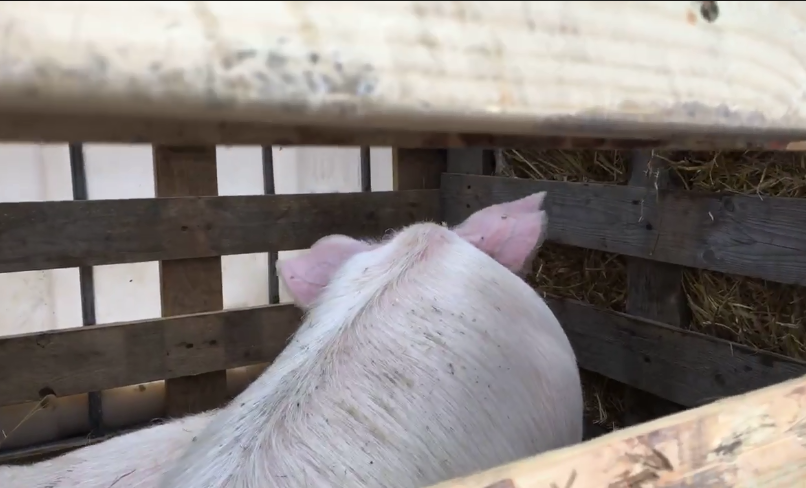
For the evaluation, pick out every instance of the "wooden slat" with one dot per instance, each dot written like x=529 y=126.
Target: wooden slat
x=742 y=235
x=190 y=285
x=44 y=235
x=750 y=441
x=418 y=169
x=682 y=366
x=654 y=290
x=421 y=65
x=49 y=450
x=132 y=129
x=679 y=365
x=471 y=161
x=71 y=361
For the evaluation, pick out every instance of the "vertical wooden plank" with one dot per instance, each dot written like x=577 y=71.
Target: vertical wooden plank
x=417 y=169
x=654 y=289
x=471 y=161
x=86 y=282
x=190 y=285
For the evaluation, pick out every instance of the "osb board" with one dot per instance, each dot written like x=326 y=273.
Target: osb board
x=603 y=69
x=749 y=441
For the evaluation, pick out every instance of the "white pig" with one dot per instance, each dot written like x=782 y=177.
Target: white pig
x=134 y=460
x=421 y=358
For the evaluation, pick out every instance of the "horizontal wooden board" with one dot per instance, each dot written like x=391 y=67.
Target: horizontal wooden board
x=681 y=366
x=749 y=441
x=57 y=128
x=93 y=358
x=45 y=235
x=49 y=450
x=685 y=367
x=528 y=68
x=742 y=235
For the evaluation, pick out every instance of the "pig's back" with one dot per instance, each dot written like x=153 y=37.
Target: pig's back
x=134 y=460
x=405 y=374
x=451 y=381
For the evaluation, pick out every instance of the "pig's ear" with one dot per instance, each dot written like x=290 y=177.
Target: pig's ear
x=307 y=275
x=509 y=232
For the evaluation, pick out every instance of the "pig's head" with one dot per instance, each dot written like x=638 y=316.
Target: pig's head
x=509 y=232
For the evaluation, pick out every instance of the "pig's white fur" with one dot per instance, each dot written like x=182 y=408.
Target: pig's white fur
x=135 y=460
x=423 y=360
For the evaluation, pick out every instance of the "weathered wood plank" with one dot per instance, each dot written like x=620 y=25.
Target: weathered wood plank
x=44 y=235
x=190 y=285
x=654 y=289
x=682 y=366
x=750 y=441
x=471 y=161
x=418 y=169
x=99 y=357
x=414 y=65
x=679 y=365
x=133 y=129
x=742 y=235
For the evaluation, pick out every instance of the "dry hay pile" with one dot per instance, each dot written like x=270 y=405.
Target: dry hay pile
x=757 y=313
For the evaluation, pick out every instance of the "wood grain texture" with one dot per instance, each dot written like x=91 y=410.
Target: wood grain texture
x=552 y=67
x=44 y=235
x=190 y=285
x=99 y=357
x=757 y=440
x=741 y=235
x=654 y=289
x=684 y=367
x=418 y=169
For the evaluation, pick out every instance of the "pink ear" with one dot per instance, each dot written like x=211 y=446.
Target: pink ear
x=307 y=275
x=508 y=232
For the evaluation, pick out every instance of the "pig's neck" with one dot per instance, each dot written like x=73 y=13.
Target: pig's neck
x=243 y=443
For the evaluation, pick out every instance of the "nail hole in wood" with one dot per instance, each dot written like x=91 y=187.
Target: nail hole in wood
x=709 y=11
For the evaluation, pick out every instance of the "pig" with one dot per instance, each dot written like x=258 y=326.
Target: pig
x=420 y=358
x=134 y=460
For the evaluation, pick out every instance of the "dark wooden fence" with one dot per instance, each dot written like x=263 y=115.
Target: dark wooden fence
x=189 y=225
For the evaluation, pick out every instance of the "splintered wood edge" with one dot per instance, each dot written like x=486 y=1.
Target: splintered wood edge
x=752 y=440
x=525 y=68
